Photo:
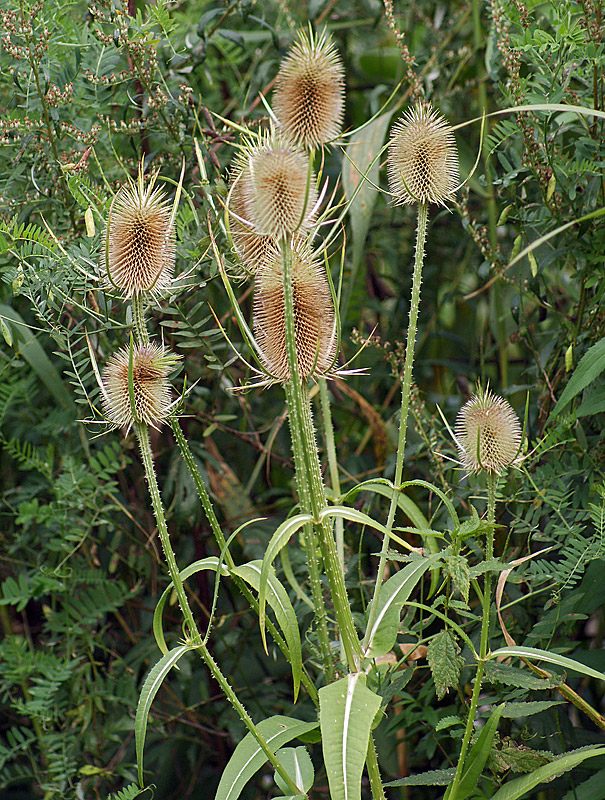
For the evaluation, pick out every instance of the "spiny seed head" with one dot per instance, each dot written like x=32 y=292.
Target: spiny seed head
x=151 y=365
x=488 y=433
x=422 y=161
x=253 y=249
x=309 y=91
x=314 y=320
x=279 y=189
x=138 y=251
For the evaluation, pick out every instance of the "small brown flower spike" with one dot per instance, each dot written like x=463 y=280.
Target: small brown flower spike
x=422 y=161
x=278 y=189
x=309 y=91
x=314 y=319
x=488 y=434
x=138 y=253
x=151 y=365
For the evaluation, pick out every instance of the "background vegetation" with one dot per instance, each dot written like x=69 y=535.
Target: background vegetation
x=86 y=90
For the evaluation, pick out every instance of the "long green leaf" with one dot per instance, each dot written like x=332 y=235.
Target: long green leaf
x=150 y=688
x=518 y=788
x=278 y=599
x=478 y=755
x=32 y=351
x=346 y=711
x=590 y=367
x=393 y=595
x=248 y=757
x=278 y=541
x=534 y=654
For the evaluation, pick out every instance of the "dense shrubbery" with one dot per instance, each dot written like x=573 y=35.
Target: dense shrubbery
x=88 y=92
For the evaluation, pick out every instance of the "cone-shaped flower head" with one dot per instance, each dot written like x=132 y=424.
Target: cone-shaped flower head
x=488 y=433
x=278 y=188
x=314 y=320
x=253 y=249
x=422 y=161
x=309 y=91
x=138 y=252
x=151 y=393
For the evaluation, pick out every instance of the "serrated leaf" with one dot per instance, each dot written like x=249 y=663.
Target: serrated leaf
x=393 y=594
x=248 y=757
x=509 y=755
x=150 y=688
x=443 y=655
x=433 y=777
x=521 y=678
x=515 y=710
x=518 y=788
x=590 y=367
x=297 y=763
x=448 y=722
x=346 y=711
x=458 y=569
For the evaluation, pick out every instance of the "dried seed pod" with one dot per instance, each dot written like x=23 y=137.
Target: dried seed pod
x=139 y=247
x=253 y=249
x=422 y=162
x=309 y=91
x=314 y=318
x=488 y=433
x=151 y=365
x=278 y=188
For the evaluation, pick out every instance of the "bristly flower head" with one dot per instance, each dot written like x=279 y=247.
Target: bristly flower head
x=488 y=434
x=139 y=246
x=253 y=249
x=422 y=161
x=314 y=319
x=309 y=91
x=151 y=365
x=278 y=188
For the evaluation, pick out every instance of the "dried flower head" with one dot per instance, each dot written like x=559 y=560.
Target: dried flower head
x=253 y=249
x=138 y=252
x=422 y=161
x=314 y=318
x=278 y=189
x=151 y=365
x=488 y=433
x=309 y=91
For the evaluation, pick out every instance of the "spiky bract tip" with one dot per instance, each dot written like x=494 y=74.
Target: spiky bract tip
x=422 y=161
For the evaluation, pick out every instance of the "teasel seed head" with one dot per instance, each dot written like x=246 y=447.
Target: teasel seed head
x=139 y=247
x=308 y=99
x=279 y=189
x=422 y=162
x=488 y=433
x=314 y=318
x=253 y=249
x=151 y=365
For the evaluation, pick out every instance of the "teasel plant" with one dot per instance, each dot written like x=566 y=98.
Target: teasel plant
x=422 y=165
x=138 y=260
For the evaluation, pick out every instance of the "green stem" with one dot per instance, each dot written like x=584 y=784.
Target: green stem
x=142 y=432
x=492 y=482
x=405 y=399
x=326 y=414
x=374 y=771
x=308 y=471
x=138 y=319
x=202 y=492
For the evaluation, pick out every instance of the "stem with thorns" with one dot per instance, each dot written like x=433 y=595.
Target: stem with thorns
x=195 y=639
x=492 y=482
x=138 y=319
x=423 y=210
x=309 y=479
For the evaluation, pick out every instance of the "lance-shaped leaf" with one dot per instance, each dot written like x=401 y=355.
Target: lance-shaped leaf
x=535 y=654
x=346 y=711
x=477 y=757
x=393 y=594
x=297 y=763
x=248 y=757
x=150 y=688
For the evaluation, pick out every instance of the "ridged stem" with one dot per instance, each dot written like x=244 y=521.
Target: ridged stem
x=202 y=492
x=308 y=473
x=405 y=399
x=138 y=319
x=492 y=482
x=142 y=432
x=326 y=414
